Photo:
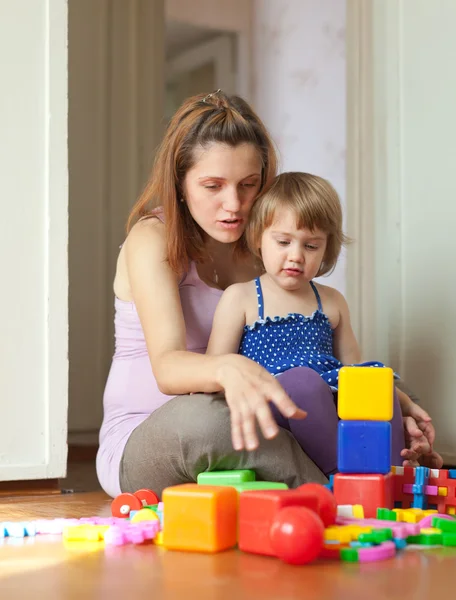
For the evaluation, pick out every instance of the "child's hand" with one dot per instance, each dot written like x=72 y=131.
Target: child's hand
x=419 y=438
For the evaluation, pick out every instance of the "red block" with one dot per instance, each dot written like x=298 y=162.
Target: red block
x=398 y=487
x=372 y=491
x=443 y=480
x=257 y=510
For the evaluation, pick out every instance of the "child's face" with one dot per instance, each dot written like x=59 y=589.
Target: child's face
x=292 y=256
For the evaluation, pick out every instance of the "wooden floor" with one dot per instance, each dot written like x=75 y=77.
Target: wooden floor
x=42 y=567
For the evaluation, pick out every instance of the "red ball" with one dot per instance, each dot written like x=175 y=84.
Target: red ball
x=327 y=501
x=297 y=535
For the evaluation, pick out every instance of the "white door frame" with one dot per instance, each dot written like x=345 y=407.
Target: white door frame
x=219 y=51
x=47 y=450
x=373 y=177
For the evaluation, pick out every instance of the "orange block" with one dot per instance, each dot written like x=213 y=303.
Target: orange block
x=202 y=518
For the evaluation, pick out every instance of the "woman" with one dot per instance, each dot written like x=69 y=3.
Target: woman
x=170 y=411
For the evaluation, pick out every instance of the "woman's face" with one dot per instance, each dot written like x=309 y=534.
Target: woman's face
x=221 y=188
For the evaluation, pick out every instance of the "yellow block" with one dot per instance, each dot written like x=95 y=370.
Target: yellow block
x=84 y=533
x=358 y=511
x=451 y=510
x=158 y=539
x=366 y=393
x=345 y=533
x=409 y=515
x=200 y=517
x=443 y=491
x=430 y=530
x=145 y=514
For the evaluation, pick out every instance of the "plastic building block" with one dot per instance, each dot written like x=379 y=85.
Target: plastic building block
x=356 y=511
x=445 y=524
x=369 y=554
x=344 y=534
x=125 y=533
x=452 y=473
x=297 y=535
x=382 y=552
x=372 y=491
x=226 y=477
x=257 y=511
x=449 y=539
x=260 y=485
x=327 y=505
x=84 y=533
x=365 y=394
x=19 y=529
x=400 y=530
x=349 y=555
x=364 y=447
x=330 y=486
x=145 y=514
x=200 y=518
x=378 y=536
x=386 y=514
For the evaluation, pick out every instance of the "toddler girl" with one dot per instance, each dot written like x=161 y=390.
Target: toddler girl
x=283 y=320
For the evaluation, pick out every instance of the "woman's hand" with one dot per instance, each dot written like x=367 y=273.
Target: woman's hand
x=248 y=390
x=419 y=438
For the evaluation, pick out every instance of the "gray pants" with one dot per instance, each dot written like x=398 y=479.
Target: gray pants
x=191 y=434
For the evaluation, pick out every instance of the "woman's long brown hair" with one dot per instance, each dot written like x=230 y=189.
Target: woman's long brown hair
x=200 y=121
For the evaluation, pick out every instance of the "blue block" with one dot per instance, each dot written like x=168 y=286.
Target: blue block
x=432 y=506
x=419 y=501
x=422 y=475
x=400 y=543
x=452 y=473
x=364 y=447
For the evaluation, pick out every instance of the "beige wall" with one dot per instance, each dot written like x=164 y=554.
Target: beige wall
x=116 y=91
x=299 y=88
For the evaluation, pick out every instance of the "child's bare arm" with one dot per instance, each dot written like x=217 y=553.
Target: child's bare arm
x=346 y=347
x=229 y=321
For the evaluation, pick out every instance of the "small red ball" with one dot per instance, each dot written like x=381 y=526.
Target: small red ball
x=327 y=501
x=297 y=535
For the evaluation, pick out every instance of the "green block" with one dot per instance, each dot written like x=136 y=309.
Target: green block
x=414 y=539
x=349 y=555
x=250 y=486
x=431 y=539
x=377 y=536
x=449 y=539
x=385 y=514
x=226 y=477
x=445 y=525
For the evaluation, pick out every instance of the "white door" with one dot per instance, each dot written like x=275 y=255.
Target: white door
x=403 y=156
x=203 y=68
x=33 y=240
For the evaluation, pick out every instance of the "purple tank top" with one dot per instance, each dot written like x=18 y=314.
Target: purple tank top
x=131 y=392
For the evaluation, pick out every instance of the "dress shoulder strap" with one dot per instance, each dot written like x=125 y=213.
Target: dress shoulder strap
x=260 y=298
x=317 y=295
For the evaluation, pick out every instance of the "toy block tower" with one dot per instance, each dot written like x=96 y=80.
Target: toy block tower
x=365 y=407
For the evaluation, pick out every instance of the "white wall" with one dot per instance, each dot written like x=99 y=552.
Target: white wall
x=299 y=88
x=33 y=240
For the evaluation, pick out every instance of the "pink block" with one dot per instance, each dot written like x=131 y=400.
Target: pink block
x=400 y=530
x=429 y=490
x=427 y=521
x=381 y=552
x=128 y=533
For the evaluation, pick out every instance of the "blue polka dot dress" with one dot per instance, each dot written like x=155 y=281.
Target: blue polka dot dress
x=282 y=343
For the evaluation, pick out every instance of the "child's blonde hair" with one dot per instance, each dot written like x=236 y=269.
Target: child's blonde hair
x=316 y=205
